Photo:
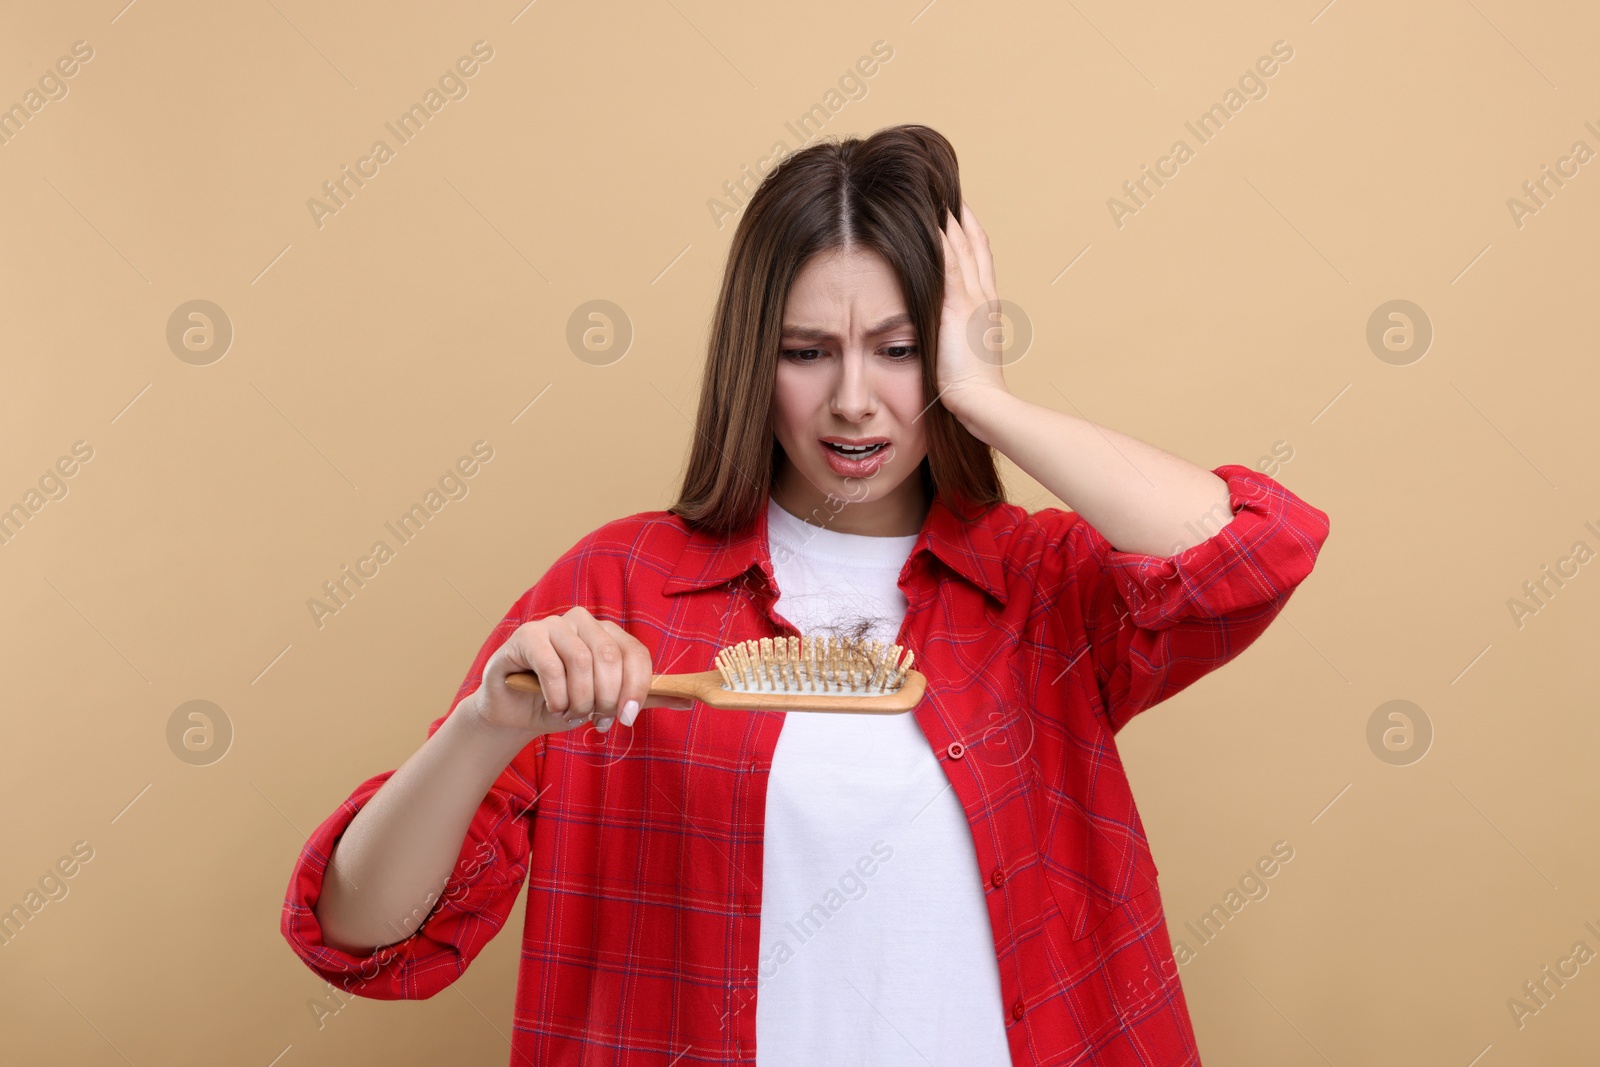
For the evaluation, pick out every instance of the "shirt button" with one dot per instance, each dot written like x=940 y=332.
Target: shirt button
x=997 y=878
x=1016 y=1010
x=956 y=749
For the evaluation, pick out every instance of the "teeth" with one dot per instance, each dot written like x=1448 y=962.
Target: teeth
x=856 y=450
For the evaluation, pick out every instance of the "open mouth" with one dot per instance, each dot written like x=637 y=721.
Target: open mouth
x=856 y=451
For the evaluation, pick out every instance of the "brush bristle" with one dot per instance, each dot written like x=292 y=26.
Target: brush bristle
x=813 y=665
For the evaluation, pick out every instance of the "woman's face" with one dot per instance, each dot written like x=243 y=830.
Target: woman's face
x=850 y=371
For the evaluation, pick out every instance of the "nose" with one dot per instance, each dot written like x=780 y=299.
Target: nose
x=853 y=395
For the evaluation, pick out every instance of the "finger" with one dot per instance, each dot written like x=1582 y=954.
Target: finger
x=980 y=248
x=964 y=255
x=533 y=649
x=606 y=656
x=953 y=279
x=636 y=673
x=578 y=663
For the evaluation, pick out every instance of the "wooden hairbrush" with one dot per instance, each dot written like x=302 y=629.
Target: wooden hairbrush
x=793 y=674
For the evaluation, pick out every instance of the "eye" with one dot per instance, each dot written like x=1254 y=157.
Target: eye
x=895 y=353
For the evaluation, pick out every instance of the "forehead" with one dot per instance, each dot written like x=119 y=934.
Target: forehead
x=852 y=291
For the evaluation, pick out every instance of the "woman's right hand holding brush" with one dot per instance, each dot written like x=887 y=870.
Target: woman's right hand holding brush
x=592 y=670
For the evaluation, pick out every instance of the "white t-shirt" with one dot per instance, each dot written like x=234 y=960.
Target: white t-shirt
x=876 y=946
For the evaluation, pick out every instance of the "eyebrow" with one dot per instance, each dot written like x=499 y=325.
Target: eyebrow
x=812 y=333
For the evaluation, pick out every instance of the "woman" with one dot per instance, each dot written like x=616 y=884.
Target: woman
x=966 y=883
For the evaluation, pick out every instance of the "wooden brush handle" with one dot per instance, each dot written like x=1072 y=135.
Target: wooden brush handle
x=707 y=688
x=686 y=686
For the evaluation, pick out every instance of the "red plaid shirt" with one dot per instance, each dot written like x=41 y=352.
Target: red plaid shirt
x=1039 y=641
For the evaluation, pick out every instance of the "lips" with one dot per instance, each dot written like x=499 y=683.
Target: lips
x=855 y=457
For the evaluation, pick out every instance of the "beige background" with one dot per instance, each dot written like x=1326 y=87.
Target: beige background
x=1227 y=317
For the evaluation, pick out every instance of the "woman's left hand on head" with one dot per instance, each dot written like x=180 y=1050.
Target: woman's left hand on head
x=970 y=324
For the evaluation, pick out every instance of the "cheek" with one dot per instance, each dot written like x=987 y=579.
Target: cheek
x=795 y=400
x=906 y=400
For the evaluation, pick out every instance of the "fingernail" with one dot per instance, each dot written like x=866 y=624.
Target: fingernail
x=630 y=711
x=604 y=725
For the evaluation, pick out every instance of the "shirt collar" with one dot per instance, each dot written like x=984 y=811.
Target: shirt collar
x=966 y=547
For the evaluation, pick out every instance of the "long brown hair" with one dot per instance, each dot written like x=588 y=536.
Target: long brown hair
x=888 y=192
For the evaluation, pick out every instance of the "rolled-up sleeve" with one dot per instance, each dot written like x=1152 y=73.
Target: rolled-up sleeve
x=1152 y=625
x=473 y=906
x=489 y=873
